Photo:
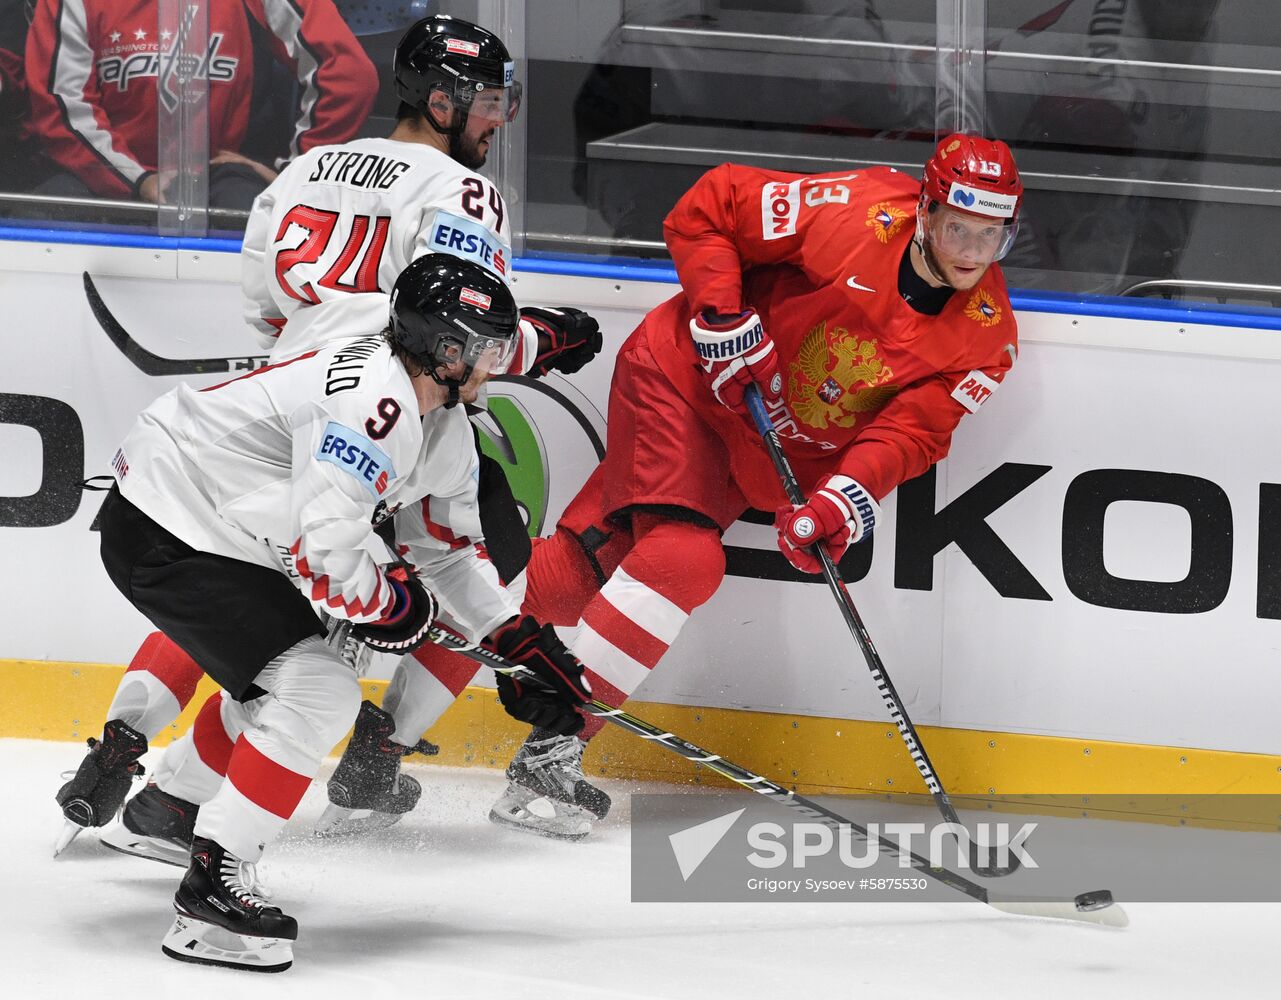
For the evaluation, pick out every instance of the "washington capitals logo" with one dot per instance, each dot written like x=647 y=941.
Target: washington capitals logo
x=885 y=220
x=982 y=308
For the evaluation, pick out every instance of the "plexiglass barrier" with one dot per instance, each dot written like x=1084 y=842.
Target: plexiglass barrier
x=1145 y=131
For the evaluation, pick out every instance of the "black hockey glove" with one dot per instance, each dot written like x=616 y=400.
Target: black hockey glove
x=552 y=703
x=405 y=627
x=567 y=339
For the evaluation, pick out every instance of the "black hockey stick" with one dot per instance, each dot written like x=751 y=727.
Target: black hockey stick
x=850 y=613
x=154 y=364
x=1096 y=907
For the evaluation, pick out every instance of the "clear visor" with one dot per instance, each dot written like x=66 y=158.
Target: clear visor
x=495 y=104
x=973 y=237
x=488 y=354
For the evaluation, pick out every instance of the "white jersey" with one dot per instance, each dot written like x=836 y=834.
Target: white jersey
x=330 y=235
x=290 y=466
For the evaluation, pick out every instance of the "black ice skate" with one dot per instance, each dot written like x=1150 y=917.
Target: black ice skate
x=98 y=788
x=155 y=825
x=547 y=793
x=368 y=779
x=223 y=918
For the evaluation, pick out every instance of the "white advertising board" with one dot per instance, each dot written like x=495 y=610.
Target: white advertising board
x=1099 y=557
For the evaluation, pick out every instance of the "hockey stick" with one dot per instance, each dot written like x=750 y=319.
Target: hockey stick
x=1096 y=907
x=898 y=713
x=154 y=364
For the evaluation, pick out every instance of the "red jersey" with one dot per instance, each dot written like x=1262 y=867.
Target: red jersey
x=874 y=389
x=93 y=67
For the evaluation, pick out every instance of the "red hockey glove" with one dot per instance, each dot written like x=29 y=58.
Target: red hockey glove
x=736 y=351
x=552 y=703
x=567 y=339
x=838 y=514
x=404 y=628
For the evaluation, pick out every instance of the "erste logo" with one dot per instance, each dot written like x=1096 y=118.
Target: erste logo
x=357 y=456
x=470 y=241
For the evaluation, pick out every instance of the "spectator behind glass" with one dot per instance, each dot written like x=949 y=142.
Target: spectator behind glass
x=17 y=161
x=92 y=71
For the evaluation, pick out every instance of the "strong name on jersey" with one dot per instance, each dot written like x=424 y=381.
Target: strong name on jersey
x=874 y=389
x=328 y=238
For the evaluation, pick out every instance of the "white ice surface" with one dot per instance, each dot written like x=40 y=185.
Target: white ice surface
x=446 y=905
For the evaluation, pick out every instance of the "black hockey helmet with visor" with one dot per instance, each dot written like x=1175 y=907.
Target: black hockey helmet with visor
x=470 y=65
x=446 y=311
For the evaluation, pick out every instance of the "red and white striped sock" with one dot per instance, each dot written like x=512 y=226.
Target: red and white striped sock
x=193 y=767
x=626 y=628
x=159 y=683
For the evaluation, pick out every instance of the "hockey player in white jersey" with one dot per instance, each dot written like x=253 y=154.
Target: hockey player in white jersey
x=344 y=219
x=242 y=510
x=323 y=247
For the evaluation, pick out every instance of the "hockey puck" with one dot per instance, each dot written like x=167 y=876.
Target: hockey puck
x=1096 y=900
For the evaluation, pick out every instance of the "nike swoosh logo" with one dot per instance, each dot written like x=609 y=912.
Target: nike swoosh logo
x=853 y=283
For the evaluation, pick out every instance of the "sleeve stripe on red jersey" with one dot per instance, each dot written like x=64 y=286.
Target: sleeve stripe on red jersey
x=69 y=74
x=285 y=20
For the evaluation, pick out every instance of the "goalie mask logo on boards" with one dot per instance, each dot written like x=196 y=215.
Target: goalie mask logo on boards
x=522 y=417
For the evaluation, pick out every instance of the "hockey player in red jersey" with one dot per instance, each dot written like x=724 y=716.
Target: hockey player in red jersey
x=868 y=308
x=231 y=539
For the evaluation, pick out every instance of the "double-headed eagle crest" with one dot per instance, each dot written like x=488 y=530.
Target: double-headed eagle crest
x=835 y=377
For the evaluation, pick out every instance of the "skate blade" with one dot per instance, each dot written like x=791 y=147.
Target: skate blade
x=66 y=835
x=540 y=828
x=522 y=809
x=192 y=940
x=118 y=837
x=339 y=821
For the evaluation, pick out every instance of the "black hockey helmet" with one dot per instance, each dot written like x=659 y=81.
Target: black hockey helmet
x=471 y=65
x=445 y=310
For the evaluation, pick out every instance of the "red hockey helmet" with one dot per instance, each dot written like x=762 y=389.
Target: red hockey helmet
x=975 y=175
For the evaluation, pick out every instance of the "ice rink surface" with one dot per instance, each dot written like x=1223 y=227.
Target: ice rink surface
x=445 y=905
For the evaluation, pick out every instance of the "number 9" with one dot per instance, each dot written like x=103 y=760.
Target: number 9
x=389 y=410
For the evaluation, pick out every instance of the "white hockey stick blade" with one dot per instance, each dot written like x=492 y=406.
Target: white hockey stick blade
x=339 y=821
x=66 y=835
x=1058 y=909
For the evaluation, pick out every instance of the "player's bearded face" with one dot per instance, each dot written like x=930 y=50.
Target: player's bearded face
x=472 y=146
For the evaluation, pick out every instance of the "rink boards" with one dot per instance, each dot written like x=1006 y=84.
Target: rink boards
x=1089 y=586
